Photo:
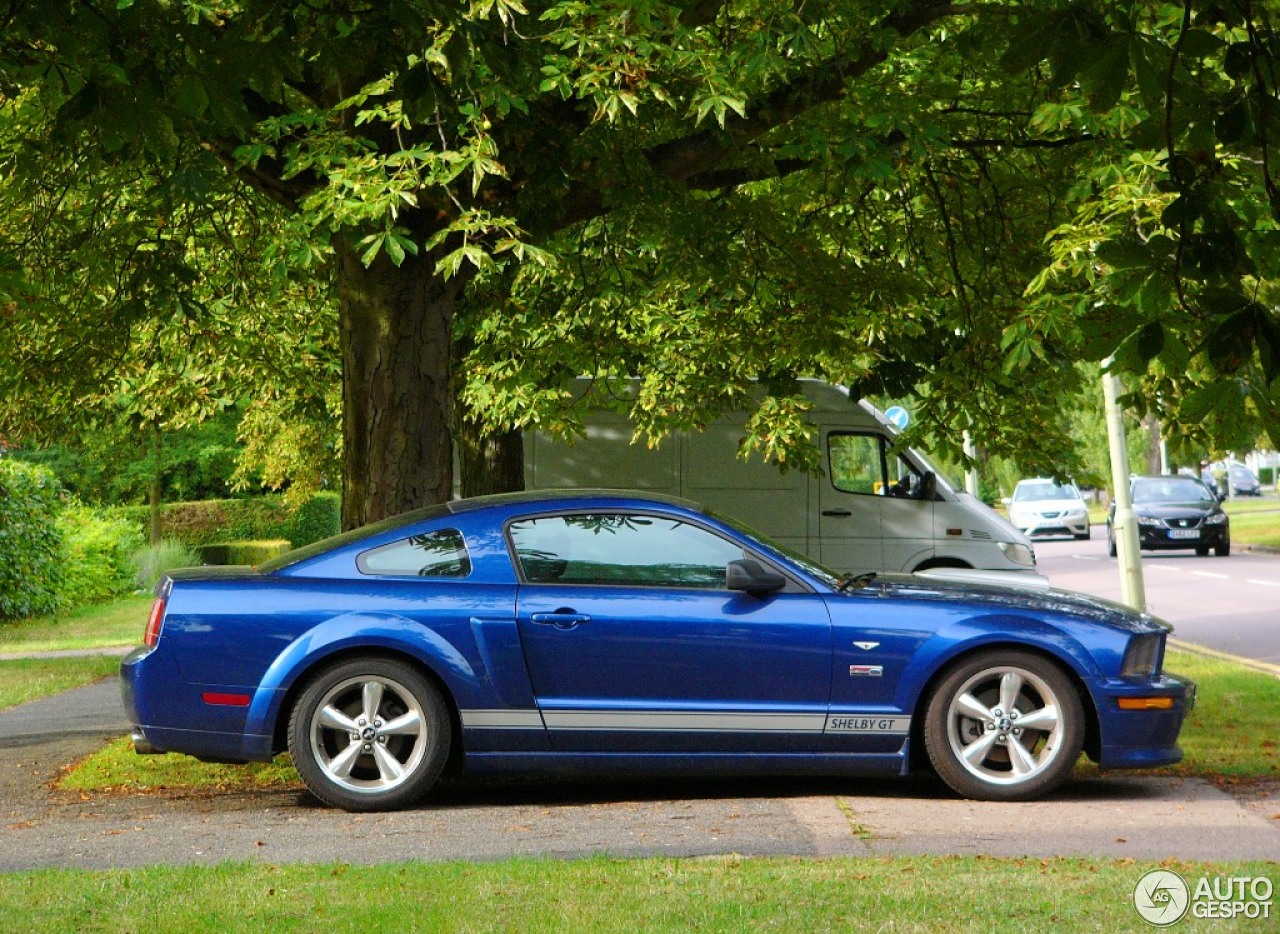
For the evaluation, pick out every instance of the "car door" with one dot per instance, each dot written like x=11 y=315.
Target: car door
x=633 y=643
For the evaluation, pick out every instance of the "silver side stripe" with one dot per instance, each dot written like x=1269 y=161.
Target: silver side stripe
x=681 y=721
x=684 y=721
x=501 y=719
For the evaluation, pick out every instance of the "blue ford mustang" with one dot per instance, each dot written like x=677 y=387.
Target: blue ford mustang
x=616 y=632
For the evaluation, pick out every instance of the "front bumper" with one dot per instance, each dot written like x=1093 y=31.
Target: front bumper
x=1158 y=537
x=1142 y=739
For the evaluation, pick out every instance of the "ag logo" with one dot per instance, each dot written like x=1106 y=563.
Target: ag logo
x=1161 y=897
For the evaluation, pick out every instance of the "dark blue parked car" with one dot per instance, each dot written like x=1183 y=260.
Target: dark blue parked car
x=618 y=633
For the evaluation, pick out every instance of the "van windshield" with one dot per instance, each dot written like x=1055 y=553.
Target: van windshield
x=944 y=481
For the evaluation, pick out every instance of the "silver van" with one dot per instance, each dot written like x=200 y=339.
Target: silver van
x=873 y=509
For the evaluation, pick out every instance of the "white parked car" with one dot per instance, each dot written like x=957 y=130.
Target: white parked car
x=1044 y=507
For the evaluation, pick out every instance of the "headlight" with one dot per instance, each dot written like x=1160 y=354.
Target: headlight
x=1078 y=513
x=1018 y=554
x=1142 y=658
x=1149 y=521
x=1218 y=518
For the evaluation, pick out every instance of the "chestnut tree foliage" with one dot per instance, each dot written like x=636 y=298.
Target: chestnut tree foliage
x=953 y=201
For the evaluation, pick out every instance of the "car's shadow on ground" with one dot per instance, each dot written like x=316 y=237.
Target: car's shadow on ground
x=561 y=791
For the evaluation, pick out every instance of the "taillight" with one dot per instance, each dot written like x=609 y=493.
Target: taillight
x=154 y=622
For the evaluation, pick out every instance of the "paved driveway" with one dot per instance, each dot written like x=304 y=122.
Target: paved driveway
x=1147 y=817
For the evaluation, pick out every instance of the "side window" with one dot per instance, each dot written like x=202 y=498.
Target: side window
x=857 y=463
x=434 y=554
x=621 y=549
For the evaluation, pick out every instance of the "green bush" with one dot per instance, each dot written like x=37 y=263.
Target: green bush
x=30 y=540
x=242 y=552
x=97 y=552
x=153 y=560
x=1267 y=476
x=317 y=518
x=260 y=518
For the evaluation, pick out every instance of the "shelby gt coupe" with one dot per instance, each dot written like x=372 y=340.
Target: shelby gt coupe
x=611 y=632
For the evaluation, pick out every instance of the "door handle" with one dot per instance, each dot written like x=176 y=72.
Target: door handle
x=837 y=512
x=561 y=619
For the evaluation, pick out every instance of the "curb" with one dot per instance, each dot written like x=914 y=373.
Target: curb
x=1265 y=667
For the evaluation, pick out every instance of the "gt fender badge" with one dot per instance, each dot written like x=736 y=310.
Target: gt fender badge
x=867 y=646
x=866 y=671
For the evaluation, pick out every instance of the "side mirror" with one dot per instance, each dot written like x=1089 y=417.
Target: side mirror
x=750 y=576
x=929 y=486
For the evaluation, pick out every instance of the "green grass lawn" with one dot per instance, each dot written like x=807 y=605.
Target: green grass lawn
x=117 y=622
x=725 y=893
x=27 y=679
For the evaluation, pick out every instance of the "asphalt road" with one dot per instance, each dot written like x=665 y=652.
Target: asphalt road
x=1230 y=604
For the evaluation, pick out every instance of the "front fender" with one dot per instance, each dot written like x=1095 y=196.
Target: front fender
x=995 y=630
x=368 y=633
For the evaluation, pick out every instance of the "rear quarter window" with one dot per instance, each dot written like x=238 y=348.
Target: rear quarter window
x=433 y=554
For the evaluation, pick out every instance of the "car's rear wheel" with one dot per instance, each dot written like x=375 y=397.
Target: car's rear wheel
x=1004 y=726
x=369 y=734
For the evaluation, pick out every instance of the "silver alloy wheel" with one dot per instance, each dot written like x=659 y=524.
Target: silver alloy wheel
x=1005 y=725
x=369 y=734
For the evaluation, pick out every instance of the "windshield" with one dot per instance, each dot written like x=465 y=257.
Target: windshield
x=804 y=562
x=944 y=482
x=1036 y=492
x=1170 y=490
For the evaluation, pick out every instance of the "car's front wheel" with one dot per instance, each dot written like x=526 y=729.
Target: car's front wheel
x=369 y=734
x=1004 y=726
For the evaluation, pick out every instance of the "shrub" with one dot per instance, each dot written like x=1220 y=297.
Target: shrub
x=242 y=552
x=97 y=552
x=1267 y=476
x=30 y=565
x=153 y=560
x=260 y=518
x=317 y=518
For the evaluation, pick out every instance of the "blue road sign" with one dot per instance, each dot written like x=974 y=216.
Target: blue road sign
x=899 y=416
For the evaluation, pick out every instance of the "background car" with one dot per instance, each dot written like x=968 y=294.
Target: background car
x=1242 y=482
x=1175 y=512
x=615 y=633
x=1046 y=507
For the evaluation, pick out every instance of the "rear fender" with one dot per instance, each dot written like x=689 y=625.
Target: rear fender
x=367 y=634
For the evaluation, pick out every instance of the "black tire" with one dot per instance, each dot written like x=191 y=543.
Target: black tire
x=1202 y=551
x=965 y=718
x=369 y=734
x=1085 y=535
x=1111 y=543
x=1222 y=550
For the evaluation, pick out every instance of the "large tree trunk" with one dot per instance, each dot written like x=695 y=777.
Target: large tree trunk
x=395 y=324
x=490 y=463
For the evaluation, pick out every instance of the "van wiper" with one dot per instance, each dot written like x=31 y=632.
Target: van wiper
x=853 y=581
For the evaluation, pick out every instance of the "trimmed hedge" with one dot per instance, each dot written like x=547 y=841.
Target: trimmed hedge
x=253 y=553
x=30 y=540
x=260 y=518
x=1267 y=476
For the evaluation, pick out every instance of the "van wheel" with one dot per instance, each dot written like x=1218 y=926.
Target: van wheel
x=930 y=564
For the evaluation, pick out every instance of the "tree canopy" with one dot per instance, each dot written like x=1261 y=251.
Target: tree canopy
x=955 y=201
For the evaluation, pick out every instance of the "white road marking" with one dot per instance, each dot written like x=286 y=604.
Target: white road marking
x=1264 y=583
x=1221 y=577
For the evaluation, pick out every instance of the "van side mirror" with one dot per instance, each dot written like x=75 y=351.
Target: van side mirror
x=750 y=576
x=929 y=486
